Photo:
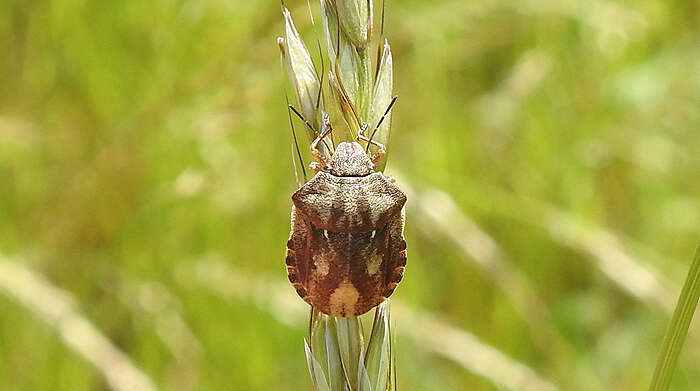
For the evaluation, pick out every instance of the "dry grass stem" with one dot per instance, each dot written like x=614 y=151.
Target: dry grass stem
x=163 y=309
x=631 y=275
x=442 y=215
x=464 y=348
x=604 y=247
x=57 y=308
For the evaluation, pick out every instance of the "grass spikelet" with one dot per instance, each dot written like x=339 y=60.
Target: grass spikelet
x=351 y=345
x=360 y=94
x=379 y=359
x=323 y=354
x=338 y=358
x=301 y=72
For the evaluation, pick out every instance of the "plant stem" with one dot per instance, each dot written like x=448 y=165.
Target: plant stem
x=678 y=329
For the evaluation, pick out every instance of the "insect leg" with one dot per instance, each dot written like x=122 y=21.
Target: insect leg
x=382 y=149
x=321 y=160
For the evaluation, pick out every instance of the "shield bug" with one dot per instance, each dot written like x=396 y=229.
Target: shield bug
x=346 y=251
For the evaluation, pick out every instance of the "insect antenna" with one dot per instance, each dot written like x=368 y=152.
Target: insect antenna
x=301 y=117
x=386 y=112
x=294 y=135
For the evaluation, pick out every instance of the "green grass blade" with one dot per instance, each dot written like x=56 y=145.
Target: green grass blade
x=318 y=379
x=350 y=344
x=678 y=329
x=324 y=349
x=378 y=362
x=335 y=369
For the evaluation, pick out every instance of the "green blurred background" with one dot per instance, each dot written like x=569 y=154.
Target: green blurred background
x=550 y=149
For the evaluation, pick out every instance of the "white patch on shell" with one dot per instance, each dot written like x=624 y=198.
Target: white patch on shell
x=321 y=262
x=373 y=262
x=343 y=299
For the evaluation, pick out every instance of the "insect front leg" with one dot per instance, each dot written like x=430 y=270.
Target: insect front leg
x=382 y=149
x=320 y=162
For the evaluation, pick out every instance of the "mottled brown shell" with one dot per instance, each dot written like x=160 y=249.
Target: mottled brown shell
x=346 y=252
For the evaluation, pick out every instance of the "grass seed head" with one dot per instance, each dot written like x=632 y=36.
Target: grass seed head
x=356 y=19
x=301 y=71
x=337 y=357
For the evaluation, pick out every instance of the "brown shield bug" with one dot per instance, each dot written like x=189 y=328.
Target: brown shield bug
x=346 y=251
